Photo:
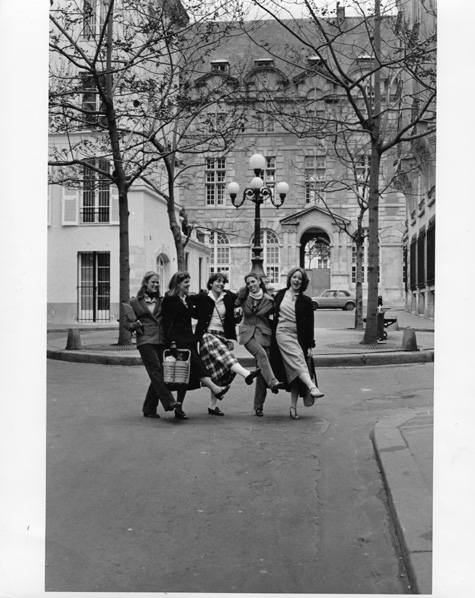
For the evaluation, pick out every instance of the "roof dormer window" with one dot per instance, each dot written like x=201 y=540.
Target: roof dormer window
x=220 y=65
x=264 y=62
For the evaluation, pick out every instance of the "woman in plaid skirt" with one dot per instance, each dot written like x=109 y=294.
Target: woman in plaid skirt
x=215 y=312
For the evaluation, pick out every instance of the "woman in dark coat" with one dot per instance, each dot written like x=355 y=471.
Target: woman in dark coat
x=255 y=334
x=294 y=335
x=177 y=309
x=145 y=319
x=215 y=312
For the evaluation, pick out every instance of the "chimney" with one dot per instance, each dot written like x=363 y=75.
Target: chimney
x=340 y=13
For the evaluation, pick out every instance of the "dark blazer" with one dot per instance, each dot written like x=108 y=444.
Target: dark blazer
x=152 y=332
x=303 y=316
x=177 y=320
x=204 y=307
x=256 y=324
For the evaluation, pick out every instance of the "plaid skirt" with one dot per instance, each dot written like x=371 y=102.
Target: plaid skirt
x=217 y=358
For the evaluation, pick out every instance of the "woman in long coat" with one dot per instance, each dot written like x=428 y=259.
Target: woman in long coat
x=215 y=312
x=255 y=333
x=145 y=319
x=294 y=336
x=177 y=309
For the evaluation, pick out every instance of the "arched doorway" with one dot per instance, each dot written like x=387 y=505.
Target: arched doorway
x=315 y=257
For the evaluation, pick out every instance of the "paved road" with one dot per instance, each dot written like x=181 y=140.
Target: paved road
x=232 y=504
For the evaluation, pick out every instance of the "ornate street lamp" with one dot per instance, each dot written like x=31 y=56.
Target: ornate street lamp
x=257 y=192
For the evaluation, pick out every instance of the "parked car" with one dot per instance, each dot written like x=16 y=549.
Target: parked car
x=334 y=299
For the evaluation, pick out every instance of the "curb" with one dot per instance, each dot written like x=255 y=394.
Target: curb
x=406 y=490
x=343 y=360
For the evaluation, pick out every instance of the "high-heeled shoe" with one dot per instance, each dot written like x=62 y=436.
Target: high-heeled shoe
x=250 y=378
x=295 y=414
x=316 y=393
x=219 y=395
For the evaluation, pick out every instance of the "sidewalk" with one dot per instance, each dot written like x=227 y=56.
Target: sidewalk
x=334 y=347
x=402 y=443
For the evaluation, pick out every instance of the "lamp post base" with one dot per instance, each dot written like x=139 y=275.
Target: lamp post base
x=257 y=267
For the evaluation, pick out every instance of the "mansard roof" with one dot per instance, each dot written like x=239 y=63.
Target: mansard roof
x=251 y=41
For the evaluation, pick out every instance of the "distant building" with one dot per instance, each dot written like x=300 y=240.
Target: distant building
x=321 y=201
x=83 y=212
x=83 y=251
x=419 y=186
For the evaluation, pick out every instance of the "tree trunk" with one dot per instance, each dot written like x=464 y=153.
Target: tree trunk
x=125 y=337
x=174 y=225
x=371 y=330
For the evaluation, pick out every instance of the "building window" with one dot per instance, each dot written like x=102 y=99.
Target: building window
x=220 y=253
x=94 y=286
x=160 y=270
x=215 y=181
x=421 y=259
x=94 y=17
x=95 y=207
x=268 y=175
x=364 y=265
x=413 y=265
x=220 y=65
x=431 y=253
x=91 y=102
x=315 y=178
x=362 y=168
x=265 y=123
x=271 y=255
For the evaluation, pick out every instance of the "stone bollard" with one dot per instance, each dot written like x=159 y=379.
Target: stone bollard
x=74 y=340
x=409 y=340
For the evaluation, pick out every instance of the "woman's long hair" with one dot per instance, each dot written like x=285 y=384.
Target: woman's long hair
x=305 y=278
x=175 y=280
x=243 y=292
x=147 y=276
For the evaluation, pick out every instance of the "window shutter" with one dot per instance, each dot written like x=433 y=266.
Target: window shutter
x=114 y=204
x=70 y=206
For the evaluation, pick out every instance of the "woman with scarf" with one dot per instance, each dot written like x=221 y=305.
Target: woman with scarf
x=177 y=310
x=256 y=333
x=295 y=337
x=215 y=312
x=145 y=319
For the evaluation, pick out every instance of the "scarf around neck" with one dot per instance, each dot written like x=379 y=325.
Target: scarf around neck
x=257 y=296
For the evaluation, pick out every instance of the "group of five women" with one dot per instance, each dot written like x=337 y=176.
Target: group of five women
x=277 y=331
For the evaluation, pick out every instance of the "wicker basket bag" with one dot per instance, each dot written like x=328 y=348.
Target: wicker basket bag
x=176 y=372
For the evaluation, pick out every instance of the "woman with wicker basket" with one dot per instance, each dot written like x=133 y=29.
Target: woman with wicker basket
x=177 y=309
x=216 y=314
x=144 y=317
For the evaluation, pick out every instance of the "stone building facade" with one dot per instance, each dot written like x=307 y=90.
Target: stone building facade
x=316 y=207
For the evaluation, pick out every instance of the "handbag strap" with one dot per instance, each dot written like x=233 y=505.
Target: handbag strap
x=222 y=323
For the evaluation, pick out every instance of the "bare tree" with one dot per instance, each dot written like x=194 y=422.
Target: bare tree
x=117 y=97
x=369 y=62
